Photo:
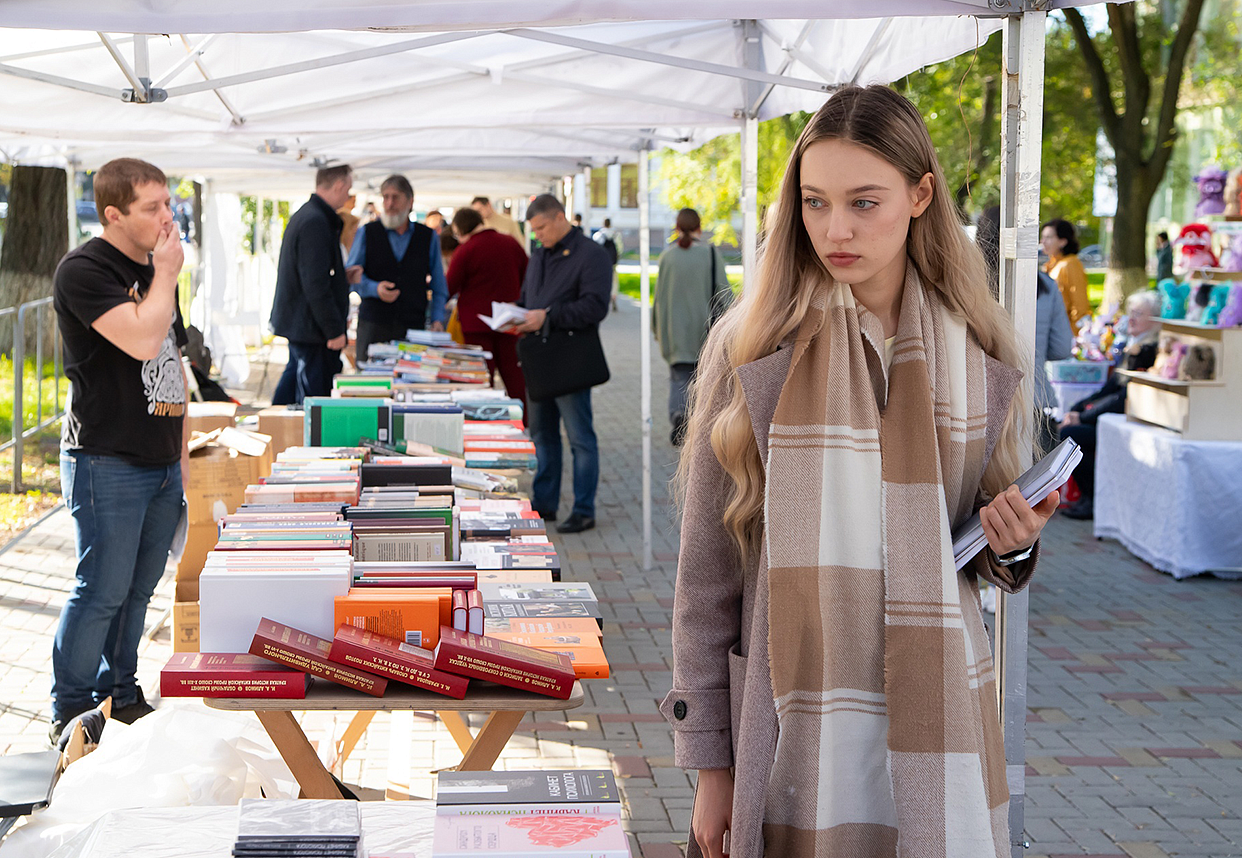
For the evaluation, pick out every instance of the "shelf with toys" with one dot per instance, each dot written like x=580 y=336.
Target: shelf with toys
x=1195 y=387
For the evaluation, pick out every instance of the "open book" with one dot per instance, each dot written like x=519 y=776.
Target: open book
x=1050 y=472
x=504 y=316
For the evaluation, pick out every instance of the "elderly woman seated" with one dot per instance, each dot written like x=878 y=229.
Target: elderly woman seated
x=1143 y=309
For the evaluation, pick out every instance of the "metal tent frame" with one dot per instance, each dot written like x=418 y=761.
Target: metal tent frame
x=1023 y=23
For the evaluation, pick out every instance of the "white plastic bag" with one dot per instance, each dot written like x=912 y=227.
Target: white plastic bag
x=178 y=756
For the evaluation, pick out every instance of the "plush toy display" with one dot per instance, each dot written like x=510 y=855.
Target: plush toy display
x=1211 y=182
x=1231 y=316
x=1216 y=299
x=1231 y=259
x=1233 y=192
x=1198 y=364
x=1173 y=297
x=1194 y=249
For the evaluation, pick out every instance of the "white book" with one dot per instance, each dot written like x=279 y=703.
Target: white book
x=1050 y=472
x=504 y=316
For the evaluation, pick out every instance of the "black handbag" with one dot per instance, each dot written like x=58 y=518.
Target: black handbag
x=561 y=361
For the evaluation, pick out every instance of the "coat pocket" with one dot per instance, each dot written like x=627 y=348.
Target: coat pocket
x=737 y=689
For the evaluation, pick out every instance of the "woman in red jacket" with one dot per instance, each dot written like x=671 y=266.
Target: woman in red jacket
x=488 y=266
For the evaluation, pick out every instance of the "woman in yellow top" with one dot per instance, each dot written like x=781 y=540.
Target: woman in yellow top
x=1060 y=242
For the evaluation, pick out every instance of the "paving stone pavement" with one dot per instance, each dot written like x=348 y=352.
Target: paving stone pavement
x=1135 y=690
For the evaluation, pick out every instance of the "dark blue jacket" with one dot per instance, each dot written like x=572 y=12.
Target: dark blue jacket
x=312 y=293
x=572 y=280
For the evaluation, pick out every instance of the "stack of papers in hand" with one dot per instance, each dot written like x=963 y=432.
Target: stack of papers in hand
x=1048 y=473
x=504 y=316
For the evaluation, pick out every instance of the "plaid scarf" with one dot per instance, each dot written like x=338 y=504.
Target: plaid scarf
x=889 y=743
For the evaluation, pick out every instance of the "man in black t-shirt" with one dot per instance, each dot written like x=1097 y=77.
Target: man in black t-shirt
x=123 y=446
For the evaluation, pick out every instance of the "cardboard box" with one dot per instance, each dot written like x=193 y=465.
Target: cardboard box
x=222 y=464
x=200 y=539
x=209 y=416
x=283 y=426
x=185 y=626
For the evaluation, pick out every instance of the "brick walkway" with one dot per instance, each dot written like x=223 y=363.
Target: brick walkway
x=1135 y=726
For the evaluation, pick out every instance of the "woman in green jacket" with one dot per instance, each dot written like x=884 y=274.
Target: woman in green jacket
x=692 y=290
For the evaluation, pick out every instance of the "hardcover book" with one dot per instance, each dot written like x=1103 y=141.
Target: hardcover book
x=205 y=674
x=504 y=663
x=301 y=651
x=520 y=832
x=393 y=659
x=456 y=790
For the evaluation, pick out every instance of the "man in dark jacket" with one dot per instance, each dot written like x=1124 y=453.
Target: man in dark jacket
x=312 y=293
x=567 y=284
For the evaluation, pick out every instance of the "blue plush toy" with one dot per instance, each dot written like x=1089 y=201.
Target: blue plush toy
x=1216 y=303
x=1173 y=298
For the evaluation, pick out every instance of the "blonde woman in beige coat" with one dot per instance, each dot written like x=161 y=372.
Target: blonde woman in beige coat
x=832 y=683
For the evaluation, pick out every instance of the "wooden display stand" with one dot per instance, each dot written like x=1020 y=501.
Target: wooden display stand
x=1199 y=410
x=506 y=707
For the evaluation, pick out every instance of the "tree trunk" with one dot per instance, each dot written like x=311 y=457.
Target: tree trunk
x=36 y=238
x=1127 y=261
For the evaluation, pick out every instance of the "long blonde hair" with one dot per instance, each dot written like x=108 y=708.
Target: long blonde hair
x=772 y=309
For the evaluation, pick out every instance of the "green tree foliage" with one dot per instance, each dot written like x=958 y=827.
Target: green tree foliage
x=1068 y=154
x=709 y=180
x=1212 y=78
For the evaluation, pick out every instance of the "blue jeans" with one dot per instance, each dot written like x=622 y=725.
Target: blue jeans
x=308 y=373
x=124 y=517
x=545 y=431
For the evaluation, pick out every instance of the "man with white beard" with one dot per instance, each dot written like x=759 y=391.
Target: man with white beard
x=392 y=264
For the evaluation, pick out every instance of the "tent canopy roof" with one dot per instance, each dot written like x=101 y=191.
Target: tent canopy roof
x=481 y=87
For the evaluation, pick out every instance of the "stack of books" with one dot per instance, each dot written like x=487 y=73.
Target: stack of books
x=497 y=445
x=304 y=827
x=555 y=813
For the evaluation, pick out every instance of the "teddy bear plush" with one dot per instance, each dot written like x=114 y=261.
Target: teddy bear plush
x=1194 y=249
x=1173 y=297
x=1211 y=182
x=1233 y=192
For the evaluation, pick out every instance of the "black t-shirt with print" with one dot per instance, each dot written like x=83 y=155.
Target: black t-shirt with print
x=118 y=406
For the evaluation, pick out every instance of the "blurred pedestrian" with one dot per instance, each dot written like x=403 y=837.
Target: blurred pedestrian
x=1059 y=240
x=692 y=290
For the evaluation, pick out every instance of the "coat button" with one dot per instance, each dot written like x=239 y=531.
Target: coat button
x=679 y=710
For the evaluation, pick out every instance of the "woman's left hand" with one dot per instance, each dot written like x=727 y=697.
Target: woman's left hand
x=1011 y=524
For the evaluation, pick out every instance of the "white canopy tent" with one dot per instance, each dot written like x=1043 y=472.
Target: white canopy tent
x=515 y=93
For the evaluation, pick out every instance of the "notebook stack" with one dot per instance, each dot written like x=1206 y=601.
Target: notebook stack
x=555 y=813
x=270 y=828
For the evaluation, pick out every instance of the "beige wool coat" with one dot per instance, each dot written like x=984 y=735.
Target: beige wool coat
x=721 y=707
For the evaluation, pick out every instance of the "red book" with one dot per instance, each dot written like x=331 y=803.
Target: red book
x=211 y=674
x=460 y=621
x=355 y=647
x=504 y=663
x=284 y=645
x=474 y=612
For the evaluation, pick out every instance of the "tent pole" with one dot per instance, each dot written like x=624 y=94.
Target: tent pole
x=1021 y=130
x=752 y=93
x=644 y=310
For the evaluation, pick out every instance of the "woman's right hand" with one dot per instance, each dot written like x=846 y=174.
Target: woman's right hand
x=713 y=811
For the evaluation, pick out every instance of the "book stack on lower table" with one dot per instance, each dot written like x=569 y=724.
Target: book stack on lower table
x=338 y=538
x=554 y=813
x=268 y=828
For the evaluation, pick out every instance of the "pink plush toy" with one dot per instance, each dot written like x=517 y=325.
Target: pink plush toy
x=1231 y=316
x=1194 y=245
x=1231 y=259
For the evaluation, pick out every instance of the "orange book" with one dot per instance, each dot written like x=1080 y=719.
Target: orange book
x=583 y=650
x=585 y=627
x=410 y=615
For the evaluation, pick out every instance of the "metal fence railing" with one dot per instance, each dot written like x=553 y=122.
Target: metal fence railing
x=46 y=335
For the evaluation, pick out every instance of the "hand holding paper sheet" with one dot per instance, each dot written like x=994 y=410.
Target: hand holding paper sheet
x=1047 y=474
x=504 y=316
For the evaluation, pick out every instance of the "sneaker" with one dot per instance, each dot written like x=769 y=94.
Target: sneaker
x=576 y=524
x=1083 y=510
x=131 y=712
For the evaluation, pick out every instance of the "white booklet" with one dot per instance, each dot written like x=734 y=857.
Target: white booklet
x=1050 y=472
x=504 y=316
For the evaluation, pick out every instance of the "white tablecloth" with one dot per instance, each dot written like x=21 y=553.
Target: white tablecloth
x=1175 y=504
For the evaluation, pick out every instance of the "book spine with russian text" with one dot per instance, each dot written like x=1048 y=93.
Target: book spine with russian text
x=301 y=651
x=504 y=663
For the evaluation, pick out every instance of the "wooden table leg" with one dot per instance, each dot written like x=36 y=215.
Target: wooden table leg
x=455 y=723
x=353 y=733
x=298 y=754
x=490 y=741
